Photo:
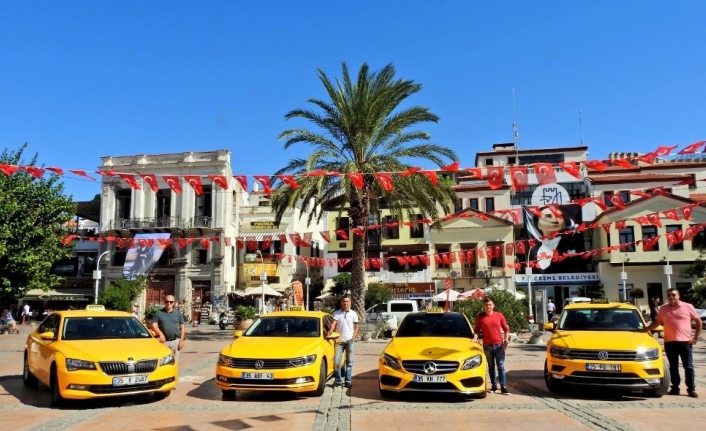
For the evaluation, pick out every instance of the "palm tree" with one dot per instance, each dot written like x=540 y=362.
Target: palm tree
x=362 y=129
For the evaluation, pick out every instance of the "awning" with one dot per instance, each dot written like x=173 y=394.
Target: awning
x=280 y=287
x=259 y=236
x=255 y=291
x=59 y=295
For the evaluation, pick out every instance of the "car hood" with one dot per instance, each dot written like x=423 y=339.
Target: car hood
x=610 y=340
x=113 y=350
x=441 y=348
x=272 y=347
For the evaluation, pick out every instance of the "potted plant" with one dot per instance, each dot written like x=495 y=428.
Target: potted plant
x=150 y=314
x=244 y=315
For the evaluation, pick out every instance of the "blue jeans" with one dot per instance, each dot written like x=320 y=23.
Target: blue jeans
x=348 y=346
x=680 y=349
x=495 y=354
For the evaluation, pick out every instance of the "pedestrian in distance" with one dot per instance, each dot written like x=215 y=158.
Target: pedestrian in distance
x=551 y=309
x=496 y=335
x=676 y=317
x=26 y=315
x=169 y=326
x=346 y=322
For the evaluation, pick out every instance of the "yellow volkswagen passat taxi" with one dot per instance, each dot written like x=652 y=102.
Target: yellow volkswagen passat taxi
x=94 y=353
x=280 y=351
x=432 y=351
x=604 y=344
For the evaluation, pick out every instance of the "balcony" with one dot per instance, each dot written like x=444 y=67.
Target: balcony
x=161 y=222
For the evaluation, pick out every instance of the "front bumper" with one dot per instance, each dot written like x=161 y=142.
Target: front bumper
x=633 y=375
x=467 y=382
x=299 y=379
x=87 y=384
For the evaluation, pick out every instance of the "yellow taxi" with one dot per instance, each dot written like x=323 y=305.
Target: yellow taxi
x=280 y=351
x=604 y=344
x=433 y=351
x=94 y=353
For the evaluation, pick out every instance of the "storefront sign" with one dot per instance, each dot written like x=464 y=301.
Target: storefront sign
x=263 y=225
x=558 y=279
x=254 y=269
x=412 y=296
x=410 y=288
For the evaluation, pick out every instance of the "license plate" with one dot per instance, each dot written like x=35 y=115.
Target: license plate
x=258 y=376
x=603 y=367
x=132 y=380
x=430 y=379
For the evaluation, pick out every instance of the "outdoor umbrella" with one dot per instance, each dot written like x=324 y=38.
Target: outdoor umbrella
x=440 y=297
x=255 y=291
x=472 y=294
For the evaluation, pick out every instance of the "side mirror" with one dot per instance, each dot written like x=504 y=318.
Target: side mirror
x=549 y=327
x=333 y=336
x=237 y=334
x=46 y=335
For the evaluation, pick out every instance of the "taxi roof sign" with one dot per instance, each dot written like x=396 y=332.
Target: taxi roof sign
x=95 y=307
x=600 y=301
x=295 y=308
x=435 y=310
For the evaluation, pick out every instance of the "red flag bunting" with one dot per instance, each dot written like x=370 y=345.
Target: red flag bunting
x=289 y=180
x=518 y=177
x=409 y=171
x=571 y=168
x=686 y=210
x=623 y=163
x=545 y=173
x=130 y=180
x=671 y=214
x=343 y=233
x=81 y=173
x=664 y=151
x=56 y=170
x=453 y=167
x=654 y=219
x=325 y=235
x=692 y=148
x=195 y=183
x=243 y=181
x=151 y=180
x=8 y=169
x=648 y=158
x=356 y=179
x=385 y=180
x=173 y=182
x=432 y=177
x=495 y=177
x=265 y=181
x=220 y=181
x=34 y=171
x=476 y=172
x=595 y=165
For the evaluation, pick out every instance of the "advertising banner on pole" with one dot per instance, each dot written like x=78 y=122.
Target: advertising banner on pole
x=298 y=292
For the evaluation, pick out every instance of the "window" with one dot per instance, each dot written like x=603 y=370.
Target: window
x=607 y=199
x=391 y=228
x=489 y=204
x=123 y=200
x=200 y=255
x=684 y=289
x=418 y=230
x=650 y=232
x=164 y=202
x=624 y=295
x=204 y=202
x=167 y=257
x=693 y=181
x=473 y=203
x=401 y=307
x=627 y=239
x=673 y=228
x=625 y=196
x=699 y=240
x=119 y=257
x=343 y=223
x=232 y=256
x=488 y=162
x=50 y=324
x=469 y=266
x=497 y=260
x=512 y=160
x=542 y=158
x=440 y=249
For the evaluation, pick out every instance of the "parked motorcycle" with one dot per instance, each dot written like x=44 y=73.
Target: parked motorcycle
x=223 y=320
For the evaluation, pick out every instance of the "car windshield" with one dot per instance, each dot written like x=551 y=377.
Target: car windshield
x=601 y=319
x=434 y=325
x=101 y=328
x=285 y=326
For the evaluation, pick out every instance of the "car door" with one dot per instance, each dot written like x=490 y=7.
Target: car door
x=44 y=349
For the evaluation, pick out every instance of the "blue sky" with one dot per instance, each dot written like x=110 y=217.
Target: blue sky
x=85 y=79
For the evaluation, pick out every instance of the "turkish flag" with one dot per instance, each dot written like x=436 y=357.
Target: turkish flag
x=648 y=158
x=654 y=219
x=343 y=233
x=470 y=256
x=671 y=214
x=520 y=247
x=606 y=227
x=596 y=165
x=510 y=249
x=266 y=242
x=693 y=148
x=480 y=253
x=130 y=180
x=289 y=180
x=325 y=235
x=623 y=163
x=686 y=210
x=173 y=182
x=649 y=243
x=639 y=193
x=545 y=173
x=243 y=180
x=664 y=151
x=252 y=243
x=690 y=233
x=151 y=179
x=600 y=202
x=425 y=259
x=571 y=168
x=239 y=243
x=195 y=183
x=265 y=181
x=621 y=224
x=385 y=180
x=616 y=200
x=495 y=177
x=642 y=220
x=356 y=179
x=671 y=238
x=518 y=177
x=283 y=238
x=409 y=171
x=453 y=167
x=220 y=181
x=476 y=172
x=432 y=177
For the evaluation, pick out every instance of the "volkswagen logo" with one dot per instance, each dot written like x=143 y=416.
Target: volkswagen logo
x=429 y=368
x=130 y=360
x=602 y=355
x=259 y=364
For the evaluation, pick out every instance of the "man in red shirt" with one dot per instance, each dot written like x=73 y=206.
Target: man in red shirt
x=489 y=323
x=676 y=316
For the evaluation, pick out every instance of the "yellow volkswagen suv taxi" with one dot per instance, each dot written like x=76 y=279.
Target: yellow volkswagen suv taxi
x=433 y=351
x=280 y=351
x=604 y=344
x=94 y=353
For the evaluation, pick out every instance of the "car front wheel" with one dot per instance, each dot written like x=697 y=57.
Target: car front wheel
x=662 y=390
x=56 y=398
x=27 y=377
x=553 y=386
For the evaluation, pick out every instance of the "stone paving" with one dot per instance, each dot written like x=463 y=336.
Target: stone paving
x=198 y=405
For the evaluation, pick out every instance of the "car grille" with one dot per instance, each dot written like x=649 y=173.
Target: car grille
x=121 y=368
x=256 y=382
x=267 y=364
x=110 y=389
x=603 y=378
x=442 y=367
x=613 y=355
x=431 y=386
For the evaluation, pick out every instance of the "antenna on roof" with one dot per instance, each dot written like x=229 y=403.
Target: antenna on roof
x=581 y=125
x=515 y=133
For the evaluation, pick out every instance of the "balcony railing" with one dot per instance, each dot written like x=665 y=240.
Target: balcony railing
x=161 y=222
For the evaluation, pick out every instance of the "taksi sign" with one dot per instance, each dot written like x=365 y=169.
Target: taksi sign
x=558 y=279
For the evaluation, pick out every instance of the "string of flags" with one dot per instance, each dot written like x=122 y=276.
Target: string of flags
x=494 y=175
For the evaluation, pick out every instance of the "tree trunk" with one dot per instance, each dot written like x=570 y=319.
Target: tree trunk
x=359 y=212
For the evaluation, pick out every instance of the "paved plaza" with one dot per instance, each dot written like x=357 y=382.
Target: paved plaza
x=197 y=403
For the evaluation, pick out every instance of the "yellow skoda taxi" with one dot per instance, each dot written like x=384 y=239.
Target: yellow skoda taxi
x=94 y=353
x=280 y=351
x=606 y=345
x=433 y=351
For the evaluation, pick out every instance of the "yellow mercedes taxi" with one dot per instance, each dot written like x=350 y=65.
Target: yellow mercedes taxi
x=606 y=345
x=94 y=353
x=433 y=351
x=281 y=351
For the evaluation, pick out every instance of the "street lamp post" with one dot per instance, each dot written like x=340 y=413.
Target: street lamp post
x=97 y=275
x=307 y=281
x=668 y=269
x=263 y=278
x=624 y=277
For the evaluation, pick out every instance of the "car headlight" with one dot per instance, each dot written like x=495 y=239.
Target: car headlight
x=472 y=362
x=646 y=354
x=78 y=364
x=169 y=359
x=303 y=361
x=560 y=352
x=390 y=361
x=224 y=360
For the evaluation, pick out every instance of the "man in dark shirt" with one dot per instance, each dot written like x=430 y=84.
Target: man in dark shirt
x=169 y=325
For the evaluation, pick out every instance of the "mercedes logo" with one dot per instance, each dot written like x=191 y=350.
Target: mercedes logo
x=429 y=368
x=259 y=364
x=602 y=355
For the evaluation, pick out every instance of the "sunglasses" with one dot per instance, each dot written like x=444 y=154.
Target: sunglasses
x=672 y=295
x=169 y=302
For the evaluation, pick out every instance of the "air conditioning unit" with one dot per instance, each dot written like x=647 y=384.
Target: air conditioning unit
x=454 y=274
x=480 y=273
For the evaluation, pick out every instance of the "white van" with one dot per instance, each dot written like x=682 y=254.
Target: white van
x=392 y=312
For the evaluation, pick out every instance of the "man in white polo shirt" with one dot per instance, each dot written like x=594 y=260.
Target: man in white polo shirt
x=346 y=322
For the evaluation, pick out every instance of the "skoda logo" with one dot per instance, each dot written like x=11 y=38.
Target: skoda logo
x=429 y=368
x=602 y=355
x=259 y=364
